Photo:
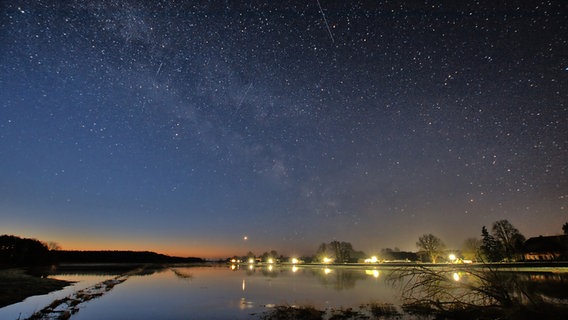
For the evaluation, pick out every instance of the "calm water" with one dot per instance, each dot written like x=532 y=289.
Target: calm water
x=240 y=293
x=26 y=308
x=222 y=293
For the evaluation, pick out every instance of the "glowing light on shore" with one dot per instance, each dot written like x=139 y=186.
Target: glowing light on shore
x=372 y=259
x=295 y=261
x=270 y=260
x=327 y=260
x=251 y=260
x=452 y=258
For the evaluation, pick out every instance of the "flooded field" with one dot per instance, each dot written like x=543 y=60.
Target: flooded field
x=245 y=292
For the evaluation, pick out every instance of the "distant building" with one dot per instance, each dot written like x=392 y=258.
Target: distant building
x=546 y=248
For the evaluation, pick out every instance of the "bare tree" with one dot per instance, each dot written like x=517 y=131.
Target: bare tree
x=432 y=245
x=511 y=239
x=52 y=245
x=471 y=248
x=467 y=288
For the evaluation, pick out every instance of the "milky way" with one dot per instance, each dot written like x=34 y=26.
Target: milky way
x=183 y=127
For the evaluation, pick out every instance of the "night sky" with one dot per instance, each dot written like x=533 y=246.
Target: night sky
x=183 y=126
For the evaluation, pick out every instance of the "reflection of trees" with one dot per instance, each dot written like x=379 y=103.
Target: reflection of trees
x=446 y=290
x=182 y=274
x=271 y=272
x=339 y=279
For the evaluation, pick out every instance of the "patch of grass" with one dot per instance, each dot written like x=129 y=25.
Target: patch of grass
x=383 y=310
x=17 y=285
x=345 y=314
x=293 y=313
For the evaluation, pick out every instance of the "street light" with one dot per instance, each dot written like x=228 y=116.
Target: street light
x=452 y=258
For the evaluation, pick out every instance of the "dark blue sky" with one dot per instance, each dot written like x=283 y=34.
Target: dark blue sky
x=181 y=128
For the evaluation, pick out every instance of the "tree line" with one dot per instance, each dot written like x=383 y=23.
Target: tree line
x=503 y=243
x=16 y=251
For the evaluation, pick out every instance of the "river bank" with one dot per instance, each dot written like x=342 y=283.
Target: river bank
x=17 y=284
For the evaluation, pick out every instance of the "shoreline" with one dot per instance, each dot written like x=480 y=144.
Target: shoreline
x=17 y=285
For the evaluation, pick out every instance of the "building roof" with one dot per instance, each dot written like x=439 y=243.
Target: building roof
x=547 y=244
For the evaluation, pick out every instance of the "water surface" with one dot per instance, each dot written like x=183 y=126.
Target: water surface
x=223 y=293
x=232 y=292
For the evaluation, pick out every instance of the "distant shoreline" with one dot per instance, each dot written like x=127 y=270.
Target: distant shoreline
x=549 y=266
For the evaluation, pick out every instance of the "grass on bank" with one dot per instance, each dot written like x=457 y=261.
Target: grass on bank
x=17 y=285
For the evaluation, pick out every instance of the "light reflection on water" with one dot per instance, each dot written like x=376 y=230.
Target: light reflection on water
x=236 y=293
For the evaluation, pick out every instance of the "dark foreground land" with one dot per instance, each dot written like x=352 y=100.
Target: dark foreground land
x=18 y=284
x=26 y=277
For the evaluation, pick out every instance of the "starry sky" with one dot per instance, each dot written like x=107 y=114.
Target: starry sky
x=184 y=126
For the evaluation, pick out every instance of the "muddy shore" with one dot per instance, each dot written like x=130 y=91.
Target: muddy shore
x=17 y=284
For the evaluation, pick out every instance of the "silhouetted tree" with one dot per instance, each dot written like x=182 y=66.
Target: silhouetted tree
x=22 y=251
x=491 y=249
x=431 y=245
x=322 y=252
x=340 y=252
x=250 y=255
x=273 y=254
x=51 y=245
x=511 y=239
x=471 y=248
x=565 y=228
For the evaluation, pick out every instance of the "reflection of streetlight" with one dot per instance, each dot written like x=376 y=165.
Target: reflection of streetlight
x=374 y=273
x=294 y=269
x=456 y=276
x=327 y=270
x=270 y=267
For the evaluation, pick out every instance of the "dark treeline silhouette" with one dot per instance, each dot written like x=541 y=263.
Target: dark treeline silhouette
x=64 y=256
x=395 y=254
x=16 y=251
